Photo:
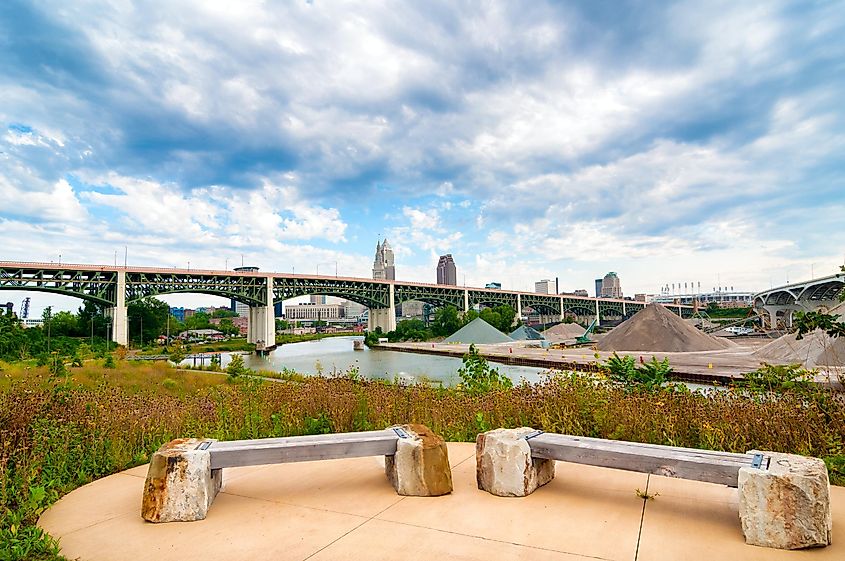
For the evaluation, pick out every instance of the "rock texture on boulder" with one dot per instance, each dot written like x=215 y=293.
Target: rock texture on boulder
x=180 y=485
x=420 y=467
x=654 y=328
x=786 y=506
x=504 y=466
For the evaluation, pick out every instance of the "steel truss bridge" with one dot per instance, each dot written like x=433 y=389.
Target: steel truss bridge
x=115 y=287
x=777 y=306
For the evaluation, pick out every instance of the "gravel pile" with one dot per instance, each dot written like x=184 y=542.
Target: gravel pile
x=563 y=332
x=478 y=332
x=813 y=350
x=654 y=328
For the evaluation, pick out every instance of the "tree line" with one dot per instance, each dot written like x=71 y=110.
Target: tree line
x=447 y=320
x=63 y=332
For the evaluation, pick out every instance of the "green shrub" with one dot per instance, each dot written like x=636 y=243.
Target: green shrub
x=170 y=384
x=236 y=367
x=478 y=377
x=649 y=376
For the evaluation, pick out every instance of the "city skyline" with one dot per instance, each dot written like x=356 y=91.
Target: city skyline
x=667 y=142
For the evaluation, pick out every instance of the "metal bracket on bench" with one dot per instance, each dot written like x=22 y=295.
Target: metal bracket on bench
x=204 y=445
x=401 y=433
x=757 y=461
x=531 y=435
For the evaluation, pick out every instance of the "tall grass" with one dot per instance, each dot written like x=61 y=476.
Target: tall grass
x=56 y=434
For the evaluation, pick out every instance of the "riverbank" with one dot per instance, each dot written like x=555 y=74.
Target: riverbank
x=708 y=367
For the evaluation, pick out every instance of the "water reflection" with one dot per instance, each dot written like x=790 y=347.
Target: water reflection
x=335 y=354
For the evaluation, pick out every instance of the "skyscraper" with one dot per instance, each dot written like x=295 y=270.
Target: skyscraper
x=544 y=286
x=446 y=271
x=610 y=286
x=318 y=298
x=598 y=288
x=383 y=267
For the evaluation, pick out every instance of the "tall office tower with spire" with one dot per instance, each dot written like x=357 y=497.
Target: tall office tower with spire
x=446 y=271
x=383 y=267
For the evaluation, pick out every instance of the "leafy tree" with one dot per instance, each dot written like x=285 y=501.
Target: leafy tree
x=446 y=321
x=65 y=324
x=223 y=313
x=150 y=315
x=500 y=317
x=282 y=325
x=200 y=320
x=91 y=315
x=409 y=330
x=227 y=327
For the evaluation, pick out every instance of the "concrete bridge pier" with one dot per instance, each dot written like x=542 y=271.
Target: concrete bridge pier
x=383 y=317
x=119 y=314
x=261 y=329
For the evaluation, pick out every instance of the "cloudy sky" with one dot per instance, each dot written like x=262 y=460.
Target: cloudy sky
x=670 y=142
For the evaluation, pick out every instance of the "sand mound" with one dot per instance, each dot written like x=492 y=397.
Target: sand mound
x=563 y=332
x=654 y=328
x=813 y=350
x=478 y=331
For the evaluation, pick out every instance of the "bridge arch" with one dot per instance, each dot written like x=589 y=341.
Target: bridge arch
x=63 y=292
x=358 y=299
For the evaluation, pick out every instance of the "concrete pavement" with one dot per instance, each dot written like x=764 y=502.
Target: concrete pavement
x=346 y=509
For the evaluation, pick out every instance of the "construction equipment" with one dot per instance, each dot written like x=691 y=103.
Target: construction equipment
x=585 y=338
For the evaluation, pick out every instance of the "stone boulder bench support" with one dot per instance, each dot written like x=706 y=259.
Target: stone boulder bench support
x=186 y=474
x=784 y=499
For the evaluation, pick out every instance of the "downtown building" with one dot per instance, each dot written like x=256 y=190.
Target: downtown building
x=383 y=267
x=610 y=286
x=545 y=286
x=314 y=312
x=446 y=271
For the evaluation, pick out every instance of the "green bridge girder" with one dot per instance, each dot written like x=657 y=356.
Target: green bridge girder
x=246 y=289
x=96 y=286
x=99 y=284
x=371 y=294
x=541 y=303
x=492 y=298
x=435 y=295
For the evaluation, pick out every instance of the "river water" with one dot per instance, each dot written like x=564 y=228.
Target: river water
x=335 y=354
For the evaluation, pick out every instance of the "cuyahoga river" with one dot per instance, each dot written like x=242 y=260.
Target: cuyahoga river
x=335 y=354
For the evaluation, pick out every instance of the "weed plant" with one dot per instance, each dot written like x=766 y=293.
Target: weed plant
x=59 y=432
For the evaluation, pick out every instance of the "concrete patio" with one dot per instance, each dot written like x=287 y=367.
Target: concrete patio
x=346 y=509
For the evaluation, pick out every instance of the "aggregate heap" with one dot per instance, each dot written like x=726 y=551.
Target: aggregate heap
x=654 y=328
